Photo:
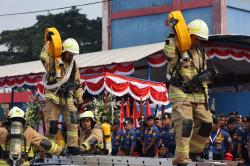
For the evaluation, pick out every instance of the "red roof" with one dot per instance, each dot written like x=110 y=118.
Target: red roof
x=19 y=97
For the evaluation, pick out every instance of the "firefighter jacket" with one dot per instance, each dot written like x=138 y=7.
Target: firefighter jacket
x=31 y=139
x=63 y=94
x=92 y=140
x=186 y=69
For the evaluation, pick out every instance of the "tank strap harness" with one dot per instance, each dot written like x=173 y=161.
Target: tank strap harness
x=195 y=84
x=5 y=153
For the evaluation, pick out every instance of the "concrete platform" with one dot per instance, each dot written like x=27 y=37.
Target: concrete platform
x=123 y=161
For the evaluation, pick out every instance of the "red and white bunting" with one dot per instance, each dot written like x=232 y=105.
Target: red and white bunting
x=120 y=69
x=157 y=60
x=19 y=81
x=226 y=53
x=121 y=85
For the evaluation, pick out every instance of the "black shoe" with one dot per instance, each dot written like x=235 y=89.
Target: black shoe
x=48 y=155
x=74 y=150
x=182 y=164
x=196 y=157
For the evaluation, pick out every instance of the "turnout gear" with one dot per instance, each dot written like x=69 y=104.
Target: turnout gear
x=91 y=139
x=61 y=94
x=188 y=95
x=199 y=28
x=70 y=45
x=193 y=142
x=17 y=140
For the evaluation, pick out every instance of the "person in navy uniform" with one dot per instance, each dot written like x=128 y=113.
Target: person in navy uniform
x=219 y=142
x=163 y=152
x=128 y=146
x=151 y=138
x=236 y=135
x=117 y=137
x=246 y=142
x=222 y=121
x=158 y=122
x=139 y=135
x=167 y=134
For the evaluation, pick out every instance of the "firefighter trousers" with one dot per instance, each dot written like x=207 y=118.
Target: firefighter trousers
x=192 y=124
x=70 y=117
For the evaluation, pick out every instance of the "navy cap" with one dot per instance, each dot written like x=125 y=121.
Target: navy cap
x=128 y=121
x=234 y=113
x=166 y=115
x=231 y=120
x=157 y=118
x=150 y=117
x=141 y=118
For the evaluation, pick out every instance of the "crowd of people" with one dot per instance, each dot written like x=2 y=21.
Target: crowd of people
x=229 y=139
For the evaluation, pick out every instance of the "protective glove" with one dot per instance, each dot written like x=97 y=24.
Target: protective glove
x=82 y=149
x=49 y=36
x=173 y=22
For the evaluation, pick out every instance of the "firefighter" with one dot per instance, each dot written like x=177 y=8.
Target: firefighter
x=158 y=122
x=139 y=136
x=61 y=98
x=219 y=142
x=17 y=139
x=151 y=138
x=129 y=143
x=246 y=142
x=91 y=135
x=167 y=134
x=117 y=137
x=222 y=121
x=236 y=135
x=188 y=76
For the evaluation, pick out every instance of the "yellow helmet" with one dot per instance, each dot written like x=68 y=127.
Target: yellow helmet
x=16 y=112
x=70 y=45
x=87 y=114
x=199 y=28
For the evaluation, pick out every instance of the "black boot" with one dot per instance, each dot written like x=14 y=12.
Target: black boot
x=74 y=150
x=196 y=157
x=182 y=164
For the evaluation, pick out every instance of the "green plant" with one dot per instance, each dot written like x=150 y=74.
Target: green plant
x=109 y=113
x=33 y=113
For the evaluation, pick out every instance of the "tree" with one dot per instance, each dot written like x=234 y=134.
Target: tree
x=25 y=44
